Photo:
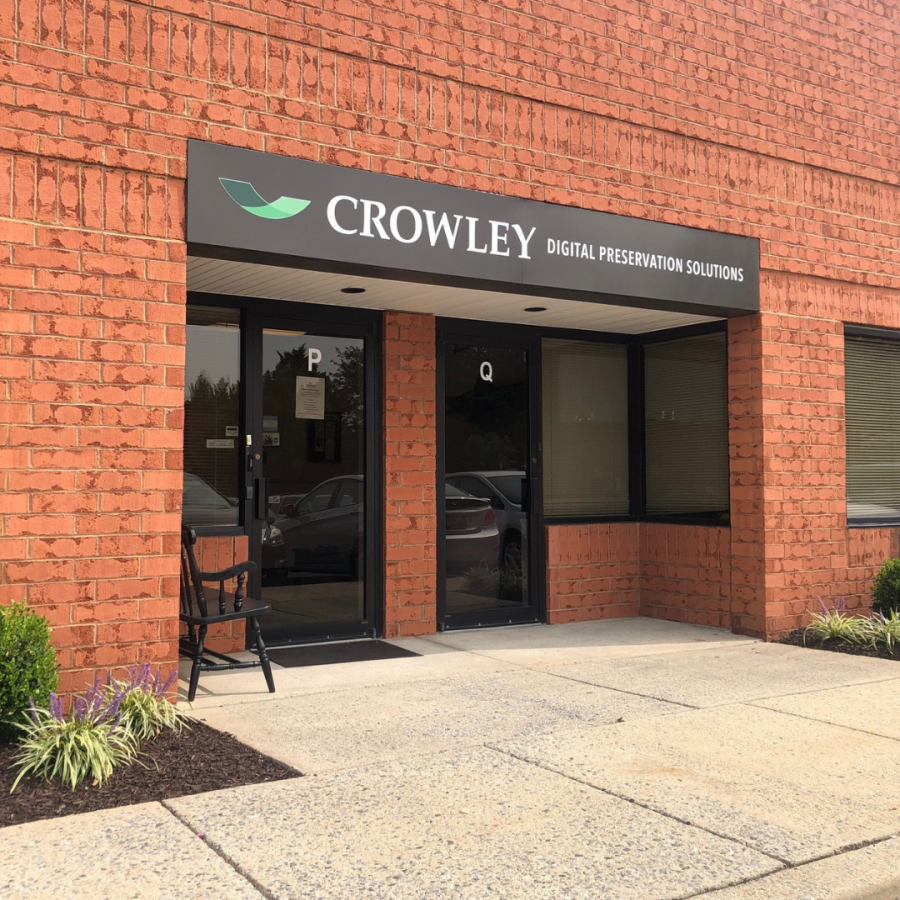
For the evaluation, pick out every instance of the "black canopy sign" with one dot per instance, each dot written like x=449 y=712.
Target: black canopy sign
x=241 y=203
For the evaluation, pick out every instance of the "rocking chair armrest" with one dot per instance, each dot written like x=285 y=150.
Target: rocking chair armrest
x=228 y=574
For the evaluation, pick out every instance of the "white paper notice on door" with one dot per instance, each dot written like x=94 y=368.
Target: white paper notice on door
x=310 y=397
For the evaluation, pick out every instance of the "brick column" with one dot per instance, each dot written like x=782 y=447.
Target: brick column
x=788 y=516
x=410 y=449
x=92 y=291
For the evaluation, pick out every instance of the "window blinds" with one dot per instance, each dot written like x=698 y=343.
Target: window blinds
x=686 y=425
x=585 y=428
x=873 y=428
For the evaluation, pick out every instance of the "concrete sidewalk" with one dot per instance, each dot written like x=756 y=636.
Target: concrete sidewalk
x=622 y=759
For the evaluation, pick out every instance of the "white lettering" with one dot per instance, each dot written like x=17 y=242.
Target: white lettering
x=443 y=225
x=369 y=220
x=314 y=357
x=487 y=372
x=417 y=224
x=332 y=217
x=473 y=224
x=497 y=238
x=524 y=241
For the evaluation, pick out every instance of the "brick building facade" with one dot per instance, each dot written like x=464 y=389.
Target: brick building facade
x=757 y=119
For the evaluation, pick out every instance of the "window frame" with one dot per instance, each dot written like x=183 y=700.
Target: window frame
x=637 y=468
x=241 y=527
x=353 y=322
x=880 y=334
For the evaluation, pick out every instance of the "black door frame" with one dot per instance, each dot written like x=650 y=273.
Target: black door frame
x=257 y=314
x=501 y=335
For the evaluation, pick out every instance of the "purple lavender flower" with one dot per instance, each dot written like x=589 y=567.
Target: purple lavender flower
x=114 y=710
x=56 y=709
x=95 y=698
x=167 y=684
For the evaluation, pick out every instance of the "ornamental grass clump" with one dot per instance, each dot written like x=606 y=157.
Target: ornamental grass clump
x=836 y=623
x=883 y=630
x=27 y=665
x=89 y=743
x=144 y=708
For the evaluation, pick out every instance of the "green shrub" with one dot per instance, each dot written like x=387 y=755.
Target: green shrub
x=144 y=708
x=483 y=581
x=27 y=665
x=837 y=623
x=512 y=584
x=886 y=589
x=507 y=584
x=89 y=743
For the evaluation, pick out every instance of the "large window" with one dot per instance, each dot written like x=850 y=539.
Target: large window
x=212 y=440
x=686 y=426
x=594 y=457
x=585 y=428
x=873 y=429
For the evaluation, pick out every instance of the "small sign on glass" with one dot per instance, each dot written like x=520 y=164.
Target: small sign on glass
x=310 y=400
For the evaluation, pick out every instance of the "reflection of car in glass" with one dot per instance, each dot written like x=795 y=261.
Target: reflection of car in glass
x=279 y=503
x=204 y=505
x=471 y=531
x=323 y=531
x=503 y=490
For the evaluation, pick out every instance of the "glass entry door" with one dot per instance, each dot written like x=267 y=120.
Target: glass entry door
x=487 y=567
x=308 y=465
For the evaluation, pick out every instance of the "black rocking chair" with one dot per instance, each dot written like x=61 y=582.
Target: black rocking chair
x=196 y=614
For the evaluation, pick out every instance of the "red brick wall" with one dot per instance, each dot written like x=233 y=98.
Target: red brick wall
x=605 y=570
x=868 y=549
x=747 y=468
x=92 y=323
x=666 y=112
x=592 y=571
x=788 y=454
x=686 y=573
x=214 y=554
x=410 y=498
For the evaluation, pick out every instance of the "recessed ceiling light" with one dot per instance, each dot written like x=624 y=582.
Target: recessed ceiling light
x=535 y=309
x=353 y=290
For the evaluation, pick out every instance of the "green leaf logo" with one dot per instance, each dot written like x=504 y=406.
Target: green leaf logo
x=244 y=194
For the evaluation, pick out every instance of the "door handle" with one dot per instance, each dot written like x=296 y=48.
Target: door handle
x=262 y=498
x=526 y=495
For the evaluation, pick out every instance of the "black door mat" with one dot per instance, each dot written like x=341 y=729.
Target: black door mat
x=326 y=654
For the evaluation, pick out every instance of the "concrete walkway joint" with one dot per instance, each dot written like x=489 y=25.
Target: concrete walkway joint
x=628 y=759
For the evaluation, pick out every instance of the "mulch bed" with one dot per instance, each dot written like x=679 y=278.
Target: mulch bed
x=174 y=765
x=836 y=645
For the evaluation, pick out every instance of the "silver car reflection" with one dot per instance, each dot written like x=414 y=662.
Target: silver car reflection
x=323 y=531
x=503 y=491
